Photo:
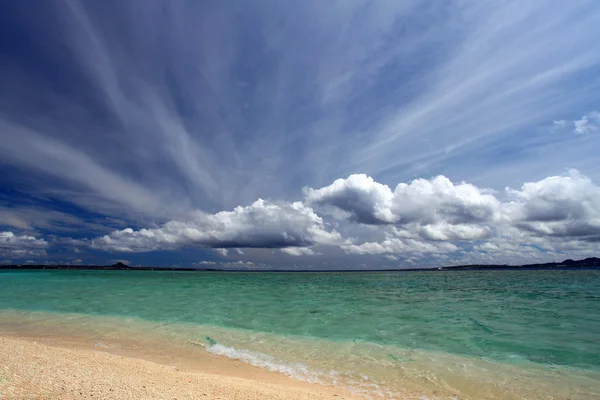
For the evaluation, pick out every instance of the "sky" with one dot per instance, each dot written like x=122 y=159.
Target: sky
x=299 y=135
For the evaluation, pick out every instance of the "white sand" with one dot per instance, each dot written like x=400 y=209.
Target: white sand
x=32 y=370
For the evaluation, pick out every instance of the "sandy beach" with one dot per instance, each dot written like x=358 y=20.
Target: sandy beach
x=33 y=370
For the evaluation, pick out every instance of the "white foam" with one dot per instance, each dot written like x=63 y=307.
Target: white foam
x=364 y=387
x=261 y=360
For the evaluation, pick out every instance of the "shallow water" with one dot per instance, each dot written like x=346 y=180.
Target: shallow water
x=496 y=334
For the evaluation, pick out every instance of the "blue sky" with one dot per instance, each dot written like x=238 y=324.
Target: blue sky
x=257 y=134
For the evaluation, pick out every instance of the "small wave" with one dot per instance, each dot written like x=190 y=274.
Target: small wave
x=264 y=361
x=361 y=385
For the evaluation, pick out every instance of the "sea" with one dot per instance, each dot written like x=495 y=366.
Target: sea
x=505 y=334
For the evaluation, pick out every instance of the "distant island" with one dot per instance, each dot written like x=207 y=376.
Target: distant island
x=114 y=267
x=587 y=263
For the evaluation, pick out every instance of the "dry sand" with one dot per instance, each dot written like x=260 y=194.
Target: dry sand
x=32 y=370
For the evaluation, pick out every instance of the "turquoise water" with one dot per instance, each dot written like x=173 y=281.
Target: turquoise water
x=511 y=329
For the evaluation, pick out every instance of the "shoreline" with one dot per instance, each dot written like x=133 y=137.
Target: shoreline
x=72 y=369
x=187 y=349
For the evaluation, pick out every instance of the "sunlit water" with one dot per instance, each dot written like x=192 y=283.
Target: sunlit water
x=496 y=334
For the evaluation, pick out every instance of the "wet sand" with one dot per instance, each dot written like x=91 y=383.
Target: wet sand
x=34 y=370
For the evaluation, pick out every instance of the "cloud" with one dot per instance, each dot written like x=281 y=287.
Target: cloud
x=432 y=219
x=500 y=75
x=298 y=251
x=446 y=231
x=401 y=246
x=438 y=210
x=367 y=201
x=239 y=264
x=15 y=246
x=263 y=224
x=422 y=201
x=233 y=105
x=560 y=123
x=542 y=219
x=589 y=123
x=434 y=209
x=430 y=201
x=31 y=218
x=557 y=206
x=162 y=125
x=44 y=153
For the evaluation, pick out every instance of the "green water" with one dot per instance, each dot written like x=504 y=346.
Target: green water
x=533 y=326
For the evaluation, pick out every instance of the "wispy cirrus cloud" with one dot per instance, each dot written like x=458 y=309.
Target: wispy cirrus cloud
x=513 y=70
x=37 y=218
x=161 y=124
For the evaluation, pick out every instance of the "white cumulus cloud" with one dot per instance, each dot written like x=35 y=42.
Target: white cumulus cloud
x=397 y=245
x=558 y=206
x=204 y=263
x=422 y=200
x=434 y=219
x=546 y=218
x=263 y=224
x=298 y=251
x=12 y=245
x=446 y=231
x=367 y=201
